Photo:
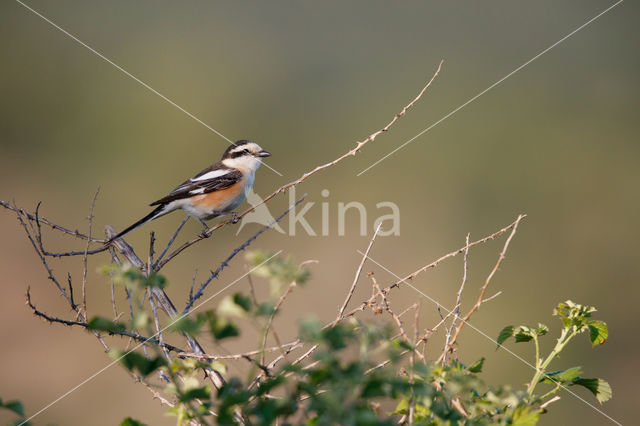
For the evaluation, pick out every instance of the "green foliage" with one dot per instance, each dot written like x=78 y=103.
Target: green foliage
x=476 y=367
x=154 y=280
x=341 y=386
x=104 y=324
x=600 y=388
x=135 y=361
x=131 y=422
x=575 y=319
x=17 y=408
x=521 y=333
x=279 y=271
x=131 y=277
x=219 y=328
x=357 y=374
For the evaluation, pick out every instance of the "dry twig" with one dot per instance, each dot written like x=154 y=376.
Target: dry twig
x=358 y=272
x=359 y=145
x=214 y=274
x=481 y=298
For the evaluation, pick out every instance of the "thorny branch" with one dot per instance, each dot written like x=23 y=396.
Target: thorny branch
x=481 y=298
x=358 y=272
x=159 y=299
x=83 y=324
x=371 y=302
x=86 y=253
x=283 y=188
x=214 y=274
x=458 y=302
x=47 y=222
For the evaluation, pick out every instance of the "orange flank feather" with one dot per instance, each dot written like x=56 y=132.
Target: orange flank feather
x=219 y=200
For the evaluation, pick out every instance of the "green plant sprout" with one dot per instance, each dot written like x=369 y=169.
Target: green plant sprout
x=576 y=319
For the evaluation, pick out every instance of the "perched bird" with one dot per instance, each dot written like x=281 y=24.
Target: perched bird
x=215 y=191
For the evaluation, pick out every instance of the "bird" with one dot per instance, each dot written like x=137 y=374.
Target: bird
x=213 y=192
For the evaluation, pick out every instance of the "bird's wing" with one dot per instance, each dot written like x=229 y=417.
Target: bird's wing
x=211 y=179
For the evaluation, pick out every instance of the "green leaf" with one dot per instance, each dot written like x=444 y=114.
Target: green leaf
x=184 y=324
x=131 y=422
x=562 y=376
x=542 y=329
x=195 y=393
x=225 y=331
x=402 y=344
x=310 y=329
x=373 y=387
x=154 y=280
x=15 y=406
x=402 y=407
x=266 y=309
x=269 y=384
x=598 y=332
x=505 y=333
x=476 y=367
x=243 y=301
x=524 y=334
x=229 y=308
x=337 y=336
x=134 y=360
x=279 y=271
x=219 y=328
x=104 y=324
x=525 y=416
x=574 y=314
x=133 y=274
x=600 y=388
x=140 y=320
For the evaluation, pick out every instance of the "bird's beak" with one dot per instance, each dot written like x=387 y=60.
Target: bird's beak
x=264 y=153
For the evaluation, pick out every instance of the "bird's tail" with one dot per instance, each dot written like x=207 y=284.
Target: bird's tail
x=157 y=212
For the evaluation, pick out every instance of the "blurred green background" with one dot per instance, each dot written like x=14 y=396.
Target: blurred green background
x=557 y=140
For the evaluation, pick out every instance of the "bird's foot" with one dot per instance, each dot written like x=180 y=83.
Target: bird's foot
x=235 y=217
x=205 y=228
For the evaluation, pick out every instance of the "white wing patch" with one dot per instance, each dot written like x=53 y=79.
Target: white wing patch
x=211 y=175
x=196 y=191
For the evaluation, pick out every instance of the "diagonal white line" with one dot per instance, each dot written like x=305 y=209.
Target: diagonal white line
x=179 y=317
x=128 y=74
x=492 y=86
x=485 y=335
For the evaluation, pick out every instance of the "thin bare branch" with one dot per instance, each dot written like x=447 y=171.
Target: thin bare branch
x=225 y=263
x=283 y=188
x=275 y=310
x=84 y=324
x=170 y=242
x=458 y=302
x=47 y=222
x=86 y=253
x=460 y=250
x=358 y=272
x=20 y=214
x=242 y=355
x=155 y=393
x=551 y=401
x=480 y=300
x=156 y=321
x=163 y=300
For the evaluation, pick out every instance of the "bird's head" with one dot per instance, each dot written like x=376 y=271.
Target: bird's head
x=245 y=155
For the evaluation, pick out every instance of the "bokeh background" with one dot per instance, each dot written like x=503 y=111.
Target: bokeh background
x=558 y=141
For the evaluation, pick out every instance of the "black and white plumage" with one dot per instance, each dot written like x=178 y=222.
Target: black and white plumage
x=215 y=191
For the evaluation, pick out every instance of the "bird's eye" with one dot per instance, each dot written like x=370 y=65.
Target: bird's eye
x=246 y=151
